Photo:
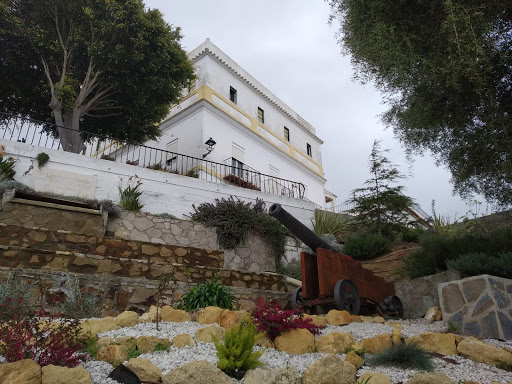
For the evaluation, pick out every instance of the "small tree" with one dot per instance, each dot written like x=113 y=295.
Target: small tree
x=379 y=206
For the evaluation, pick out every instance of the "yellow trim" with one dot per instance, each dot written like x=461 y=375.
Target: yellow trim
x=205 y=93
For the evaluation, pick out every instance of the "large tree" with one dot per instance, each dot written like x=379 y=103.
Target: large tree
x=108 y=67
x=445 y=67
x=380 y=206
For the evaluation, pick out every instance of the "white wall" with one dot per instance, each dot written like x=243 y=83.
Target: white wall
x=163 y=192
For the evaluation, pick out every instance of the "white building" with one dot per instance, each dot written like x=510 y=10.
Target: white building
x=260 y=142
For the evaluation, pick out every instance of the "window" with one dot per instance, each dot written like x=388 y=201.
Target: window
x=261 y=115
x=286 y=134
x=232 y=94
x=308 y=149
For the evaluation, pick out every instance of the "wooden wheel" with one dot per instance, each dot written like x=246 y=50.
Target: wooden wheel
x=297 y=299
x=347 y=297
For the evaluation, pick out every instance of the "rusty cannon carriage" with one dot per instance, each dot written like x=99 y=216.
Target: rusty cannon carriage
x=331 y=278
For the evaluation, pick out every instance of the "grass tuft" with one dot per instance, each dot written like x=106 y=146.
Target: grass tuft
x=404 y=356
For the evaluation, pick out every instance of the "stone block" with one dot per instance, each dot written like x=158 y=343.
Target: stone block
x=479 y=306
x=418 y=295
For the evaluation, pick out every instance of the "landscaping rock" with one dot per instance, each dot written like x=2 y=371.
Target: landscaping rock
x=288 y=375
x=112 y=353
x=319 y=321
x=335 y=317
x=396 y=336
x=431 y=378
x=435 y=342
x=24 y=371
x=127 y=319
x=168 y=313
x=144 y=369
x=265 y=341
x=330 y=370
x=372 y=319
x=476 y=350
x=433 y=314
x=377 y=344
x=204 y=335
x=95 y=326
x=197 y=372
x=355 y=319
x=355 y=359
x=296 y=341
x=146 y=344
x=229 y=319
x=183 y=340
x=52 y=374
x=150 y=315
x=209 y=315
x=376 y=378
x=334 y=342
x=128 y=342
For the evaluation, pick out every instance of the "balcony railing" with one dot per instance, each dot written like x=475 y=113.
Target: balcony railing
x=41 y=134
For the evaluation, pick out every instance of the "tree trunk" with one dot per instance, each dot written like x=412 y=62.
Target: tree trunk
x=68 y=127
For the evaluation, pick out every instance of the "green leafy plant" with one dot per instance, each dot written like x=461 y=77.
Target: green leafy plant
x=236 y=355
x=411 y=235
x=160 y=347
x=505 y=366
x=404 y=355
x=129 y=197
x=474 y=264
x=91 y=347
x=452 y=327
x=360 y=351
x=42 y=158
x=366 y=246
x=329 y=223
x=133 y=353
x=7 y=171
x=233 y=219
x=156 y=167
x=82 y=303
x=209 y=293
x=291 y=268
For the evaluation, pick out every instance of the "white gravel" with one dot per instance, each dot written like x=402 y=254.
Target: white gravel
x=167 y=329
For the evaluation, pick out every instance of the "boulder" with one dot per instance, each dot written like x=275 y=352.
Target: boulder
x=476 y=350
x=330 y=370
x=288 y=375
x=204 y=335
x=335 y=317
x=435 y=342
x=128 y=342
x=229 y=319
x=334 y=342
x=150 y=315
x=296 y=341
x=373 y=319
x=176 y=315
x=127 y=319
x=431 y=378
x=355 y=359
x=183 y=340
x=375 y=378
x=146 y=344
x=144 y=369
x=209 y=315
x=355 y=319
x=23 y=371
x=112 y=354
x=197 y=372
x=265 y=341
x=396 y=336
x=433 y=314
x=377 y=344
x=395 y=324
x=319 y=321
x=63 y=375
x=92 y=327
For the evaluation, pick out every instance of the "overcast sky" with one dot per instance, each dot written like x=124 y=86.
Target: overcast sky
x=288 y=46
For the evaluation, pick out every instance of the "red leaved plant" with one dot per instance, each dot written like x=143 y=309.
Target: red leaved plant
x=273 y=320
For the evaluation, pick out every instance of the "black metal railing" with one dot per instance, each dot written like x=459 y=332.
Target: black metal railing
x=42 y=134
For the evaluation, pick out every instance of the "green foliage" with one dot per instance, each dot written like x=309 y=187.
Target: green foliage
x=42 y=158
x=329 y=223
x=234 y=219
x=446 y=82
x=7 y=171
x=91 y=347
x=129 y=197
x=14 y=291
x=133 y=353
x=380 y=207
x=165 y=215
x=160 y=347
x=331 y=240
x=82 y=303
x=452 y=327
x=411 y=235
x=505 y=366
x=291 y=268
x=236 y=352
x=474 y=264
x=360 y=351
x=366 y=246
x=111 y=67
x=209 y=293
x=436 y=250
x=405 y=356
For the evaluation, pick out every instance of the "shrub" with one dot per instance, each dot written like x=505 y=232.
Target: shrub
x=42 y=158
x=234 y=219
x=412 y=235
x=473 y=264
x=366 y=246
x=331 y=240
x=329 y=222
x=209 y=293
x=16 y=296
x=405 y=356
x=273 y=320
x=292 y=269
x=129 y=197
x=236 y=354
x=81 y=303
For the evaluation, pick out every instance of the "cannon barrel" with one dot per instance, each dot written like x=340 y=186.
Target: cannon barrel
x=306 y=235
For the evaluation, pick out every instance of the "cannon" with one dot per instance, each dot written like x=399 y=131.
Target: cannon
x=331 y=278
